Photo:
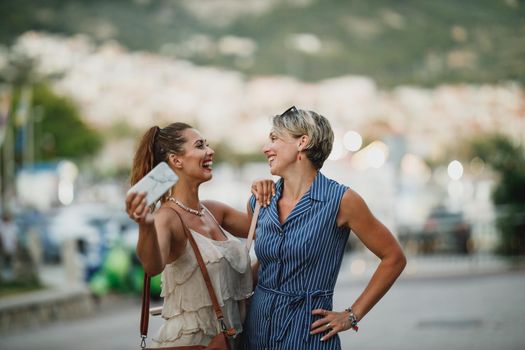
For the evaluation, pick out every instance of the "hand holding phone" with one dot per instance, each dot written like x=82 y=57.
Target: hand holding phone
x=155 y=183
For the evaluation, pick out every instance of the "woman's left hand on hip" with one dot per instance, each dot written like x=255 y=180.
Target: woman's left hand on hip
x=331 y=323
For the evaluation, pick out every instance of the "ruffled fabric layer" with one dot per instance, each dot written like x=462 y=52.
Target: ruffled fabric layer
x=187 y=308
x=199 y=327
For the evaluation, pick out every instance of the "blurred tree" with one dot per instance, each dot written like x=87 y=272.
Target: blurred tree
x=62 y=133
x=46 y=125
x=40 y=125
x=507 y=159
x=17 y=75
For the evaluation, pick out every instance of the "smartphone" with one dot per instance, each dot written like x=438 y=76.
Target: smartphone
x=155 y=183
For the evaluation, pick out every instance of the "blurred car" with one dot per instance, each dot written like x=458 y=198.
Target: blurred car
x=33 y=220
x=95 y=227
x=446 y=231
x=443 y=231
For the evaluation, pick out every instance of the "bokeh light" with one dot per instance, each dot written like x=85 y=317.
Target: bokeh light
x=455 y=170
x=352 y=141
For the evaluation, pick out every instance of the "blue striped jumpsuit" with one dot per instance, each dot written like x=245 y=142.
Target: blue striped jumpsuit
x=299 y=264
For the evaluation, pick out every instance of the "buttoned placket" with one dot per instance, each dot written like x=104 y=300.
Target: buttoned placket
x=269 y=316
x=279 y=236
x=280 y=257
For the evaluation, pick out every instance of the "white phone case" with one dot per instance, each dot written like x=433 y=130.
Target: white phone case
x=155 y=183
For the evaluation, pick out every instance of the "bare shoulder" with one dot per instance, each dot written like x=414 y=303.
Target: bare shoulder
x=165 y=215
x=210 y=203
x=230 y=218
x=167 y=220
x=218 y=209
x=352 y=205
x=351 y=199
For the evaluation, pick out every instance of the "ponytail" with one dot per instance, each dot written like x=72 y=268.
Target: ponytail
x=144 y=159
x=155 y=146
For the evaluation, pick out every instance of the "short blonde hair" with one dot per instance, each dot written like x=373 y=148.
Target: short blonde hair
x=298 y=122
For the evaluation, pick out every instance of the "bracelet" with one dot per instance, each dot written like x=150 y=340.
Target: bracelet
x=353 y=319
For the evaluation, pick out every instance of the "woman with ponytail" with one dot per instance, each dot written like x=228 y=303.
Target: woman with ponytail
x=162 y=245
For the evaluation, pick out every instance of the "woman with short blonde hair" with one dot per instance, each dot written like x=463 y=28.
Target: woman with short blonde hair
x=301 y=237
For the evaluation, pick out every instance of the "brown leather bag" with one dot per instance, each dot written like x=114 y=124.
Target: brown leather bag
x=220 y=341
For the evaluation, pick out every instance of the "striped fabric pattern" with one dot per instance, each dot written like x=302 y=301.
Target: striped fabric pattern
x=299 y=264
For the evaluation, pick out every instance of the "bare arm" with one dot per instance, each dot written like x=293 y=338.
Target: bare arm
x=148 y=250
x=355 y=214
x=161 y=236
x=235 y=221
x=158 y=242
x=232 y=220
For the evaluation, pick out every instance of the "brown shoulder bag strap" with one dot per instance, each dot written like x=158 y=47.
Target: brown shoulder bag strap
x=144 y=319
x=251 y=232
x=144 y=315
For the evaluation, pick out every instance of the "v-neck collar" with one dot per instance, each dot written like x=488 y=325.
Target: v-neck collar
x=314 y=193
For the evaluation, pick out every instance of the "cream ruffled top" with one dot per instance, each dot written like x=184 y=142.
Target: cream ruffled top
x=187 y=308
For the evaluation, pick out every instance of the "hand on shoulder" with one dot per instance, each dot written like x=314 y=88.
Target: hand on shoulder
x=263 y=190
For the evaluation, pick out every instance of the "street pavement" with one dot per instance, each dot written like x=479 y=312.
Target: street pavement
x=463 y=304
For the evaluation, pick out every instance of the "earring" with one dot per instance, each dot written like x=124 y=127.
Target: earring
x=300 y=158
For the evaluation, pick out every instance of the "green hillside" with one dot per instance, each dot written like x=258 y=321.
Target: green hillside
x=394 y=41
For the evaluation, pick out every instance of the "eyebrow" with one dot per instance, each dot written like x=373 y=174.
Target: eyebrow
x=199 y=140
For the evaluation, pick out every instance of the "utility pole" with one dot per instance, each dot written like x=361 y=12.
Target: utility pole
x=24 y=121
x=7 y=149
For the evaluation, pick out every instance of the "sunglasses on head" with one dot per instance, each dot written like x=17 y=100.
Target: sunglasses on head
x=289 y=110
